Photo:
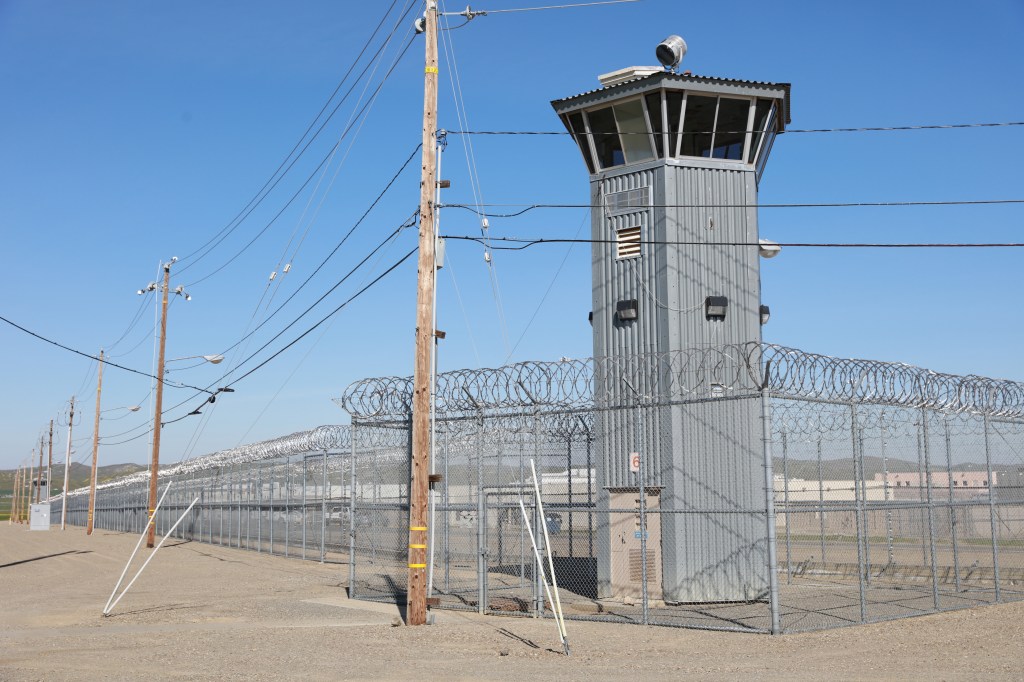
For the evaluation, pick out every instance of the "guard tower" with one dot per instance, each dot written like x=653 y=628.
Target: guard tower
x=674 y=162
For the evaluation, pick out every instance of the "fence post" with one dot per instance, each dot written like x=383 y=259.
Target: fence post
x=303 y=506
x=538 y=582
x=992 y=512
x=645 y=606
x=352 y=515
x=769 y=496
x=885 y=494
x=481 y=520
x=273 y=479
x=248 y=507
x=931 y=508
x=785 y=498
x=821 y=504
x=259 y=508
x=858 y=475
x=446 y=528
x=323 y=513
x=287 y=503
x=865 y=506
x=952 y=506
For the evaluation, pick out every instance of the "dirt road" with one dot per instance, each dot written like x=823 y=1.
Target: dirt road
x=204 y=612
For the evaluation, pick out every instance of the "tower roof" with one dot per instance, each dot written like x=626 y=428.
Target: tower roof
x=683 y=81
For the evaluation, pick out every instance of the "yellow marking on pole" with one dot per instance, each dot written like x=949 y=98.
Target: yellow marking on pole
x=430 y=69
x=417 y=527
x=417 y=546
x=417 y=565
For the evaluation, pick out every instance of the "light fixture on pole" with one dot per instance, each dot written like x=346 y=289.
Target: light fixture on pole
x=212 y=359
x=154 y=467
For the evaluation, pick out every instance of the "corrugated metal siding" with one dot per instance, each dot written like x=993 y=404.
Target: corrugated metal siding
x=618 y=279
x=707 y=457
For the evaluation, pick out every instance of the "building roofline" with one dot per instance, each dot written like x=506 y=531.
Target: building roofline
x=682 y=81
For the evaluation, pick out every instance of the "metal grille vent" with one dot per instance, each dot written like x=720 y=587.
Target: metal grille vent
x=628 y=242
x=636 y=569
x=628 y=199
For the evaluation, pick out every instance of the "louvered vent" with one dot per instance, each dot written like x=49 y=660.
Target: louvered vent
x=628 y=242
x=636 y=567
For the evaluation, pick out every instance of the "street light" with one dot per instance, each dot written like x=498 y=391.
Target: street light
x=212 y=359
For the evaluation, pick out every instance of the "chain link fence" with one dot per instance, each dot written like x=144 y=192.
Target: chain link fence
x=749 y=488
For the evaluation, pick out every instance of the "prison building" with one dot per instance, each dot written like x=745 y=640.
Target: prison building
x=674 y=162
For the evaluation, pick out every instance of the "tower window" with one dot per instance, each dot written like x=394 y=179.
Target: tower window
x=628 y=242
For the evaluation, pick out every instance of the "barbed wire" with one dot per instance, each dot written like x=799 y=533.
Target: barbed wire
x=698 y=373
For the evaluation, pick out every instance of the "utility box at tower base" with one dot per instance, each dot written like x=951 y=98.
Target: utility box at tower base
x=39 y=518
x=623 y=576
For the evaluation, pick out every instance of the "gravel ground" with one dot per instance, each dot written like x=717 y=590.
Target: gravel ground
x=205 y=612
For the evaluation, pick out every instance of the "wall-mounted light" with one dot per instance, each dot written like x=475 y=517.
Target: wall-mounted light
x=626 y=310
x=715 y=307
x=590 y=318
x=766 y=313
x=767 y=248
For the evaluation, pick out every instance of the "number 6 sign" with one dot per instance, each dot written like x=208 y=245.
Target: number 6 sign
x=634 y=462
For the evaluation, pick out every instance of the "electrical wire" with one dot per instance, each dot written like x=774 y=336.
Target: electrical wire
x=337 y=171
x=852 y=204
x=131 y=325
x=535 y=9
x=251 y=356
x=93 y=357
x=328 y=316
x=408 y=223
x=792 y=131
x=318 y=301
x=304 y=184
x=463 y=119
x=298 y=365
x=524 y=243
x=267 y=187
x=547 y=291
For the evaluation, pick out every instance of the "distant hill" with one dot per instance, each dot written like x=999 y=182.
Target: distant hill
x=78 y=476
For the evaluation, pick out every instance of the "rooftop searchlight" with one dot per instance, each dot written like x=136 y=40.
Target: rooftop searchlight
x=670 y=52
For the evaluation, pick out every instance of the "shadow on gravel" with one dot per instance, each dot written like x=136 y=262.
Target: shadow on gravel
x=154 y=609
x=401 y=597
x=47 y=556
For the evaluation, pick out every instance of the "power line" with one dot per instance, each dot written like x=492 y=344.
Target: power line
x=328 y=316
x=526 y=208
x=93 y=357
x=227 y=374
x=524 y=243
x=792 y=131
x=308 y=179
x=408 y=223
x=536 y=9
x=281 y=350
x=317 y=302
x=271 y=182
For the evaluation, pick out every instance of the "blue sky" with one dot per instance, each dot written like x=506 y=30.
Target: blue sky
x=133 y=132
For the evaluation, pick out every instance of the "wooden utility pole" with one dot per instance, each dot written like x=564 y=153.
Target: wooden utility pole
x=14 y=497
x=39 y=476
x=49 y=465
x=31 y=478
x=67 y=468
x=95 y=449
x=154 y=465
x=416 y=613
